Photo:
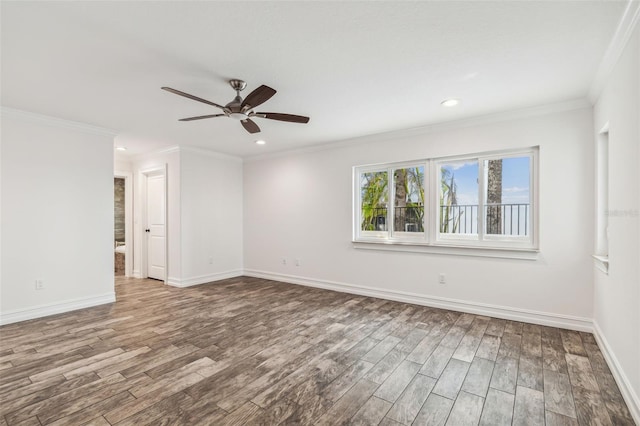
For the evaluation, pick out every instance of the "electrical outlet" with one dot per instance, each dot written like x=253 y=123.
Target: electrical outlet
x=297 y=262
x=442 y=278
x=211 y=261
x=39 y=285
x=284 y=260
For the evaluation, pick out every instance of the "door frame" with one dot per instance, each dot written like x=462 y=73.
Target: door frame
x=128 y=219
x=144 y=175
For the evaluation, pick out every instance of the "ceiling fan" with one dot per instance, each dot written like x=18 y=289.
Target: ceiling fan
x=242 y=109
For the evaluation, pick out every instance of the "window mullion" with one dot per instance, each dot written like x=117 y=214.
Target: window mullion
x=357 y=203
x=533 y=198
x=427 y=217
x=391 y=202
x=481 y=185
x=435 y=199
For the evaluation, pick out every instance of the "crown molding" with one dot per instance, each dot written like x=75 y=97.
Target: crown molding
x=497 y=117
x=209 y=153
x=184 y=148
x=160 y=151
x=168 y=150
x=57 y=122
x=621 y=37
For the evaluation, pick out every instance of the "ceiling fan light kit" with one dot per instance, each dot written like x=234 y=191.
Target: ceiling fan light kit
x=450 y=102
x=242 y=109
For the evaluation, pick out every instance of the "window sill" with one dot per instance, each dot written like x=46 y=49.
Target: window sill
x=602 y=263
x=451 y=250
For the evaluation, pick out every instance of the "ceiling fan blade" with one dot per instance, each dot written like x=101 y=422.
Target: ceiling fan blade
x=195 y=98
x=259 y=96
x=201 y=117
x=283 y=117
x=250 y=126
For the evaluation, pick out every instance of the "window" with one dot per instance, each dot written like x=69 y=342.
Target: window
x=485 y=200
x=458 y=198
x=406 y=190
x=507 y=196
x=408 y=199
x=374 y=198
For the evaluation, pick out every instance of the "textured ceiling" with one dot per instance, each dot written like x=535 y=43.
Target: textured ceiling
x=355 y=68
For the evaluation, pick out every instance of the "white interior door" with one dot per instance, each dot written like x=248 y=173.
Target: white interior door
x=156 y=217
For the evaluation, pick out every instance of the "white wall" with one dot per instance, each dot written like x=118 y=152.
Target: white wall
x=122 y=165
x=211 y=216
x=170 y=158
x=204 y=214
x=57 y=216
x=299 y=205
x=617 y=295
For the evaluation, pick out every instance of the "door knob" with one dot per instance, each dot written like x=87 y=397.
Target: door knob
x=147 y=230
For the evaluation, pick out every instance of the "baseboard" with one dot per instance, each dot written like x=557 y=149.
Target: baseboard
x=203 y=279
x=630 y=397
x=55 y=308
x=514 y=314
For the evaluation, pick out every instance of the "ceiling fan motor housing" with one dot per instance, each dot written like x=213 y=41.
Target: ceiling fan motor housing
x=242 y=109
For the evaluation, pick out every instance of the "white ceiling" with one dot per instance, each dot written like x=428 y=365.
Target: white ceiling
x=355 y=68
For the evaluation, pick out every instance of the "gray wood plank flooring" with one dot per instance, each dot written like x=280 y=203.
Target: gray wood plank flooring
x=248 y=351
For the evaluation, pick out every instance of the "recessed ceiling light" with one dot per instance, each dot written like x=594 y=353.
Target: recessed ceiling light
x=450 y=102
x=260 y=142
x=121 y=148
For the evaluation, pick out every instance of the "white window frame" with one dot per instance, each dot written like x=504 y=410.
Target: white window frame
x=431 y=238
x=401 y=235
x=450 y=239
x=389 y=235
x=357 y=178
x=481 y=238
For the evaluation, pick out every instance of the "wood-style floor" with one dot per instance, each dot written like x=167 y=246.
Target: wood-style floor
x=247 y=351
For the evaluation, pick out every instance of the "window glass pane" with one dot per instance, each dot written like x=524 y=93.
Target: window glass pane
x=507 y=196
x=459 y=197
x=374 y=193
x=409 y=199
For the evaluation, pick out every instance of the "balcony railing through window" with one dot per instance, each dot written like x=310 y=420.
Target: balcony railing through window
x=500 y=219
x=405 y=219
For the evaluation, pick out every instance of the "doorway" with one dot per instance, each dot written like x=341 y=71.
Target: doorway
x=119 y=227
x=123 y=225
x=154 y=238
